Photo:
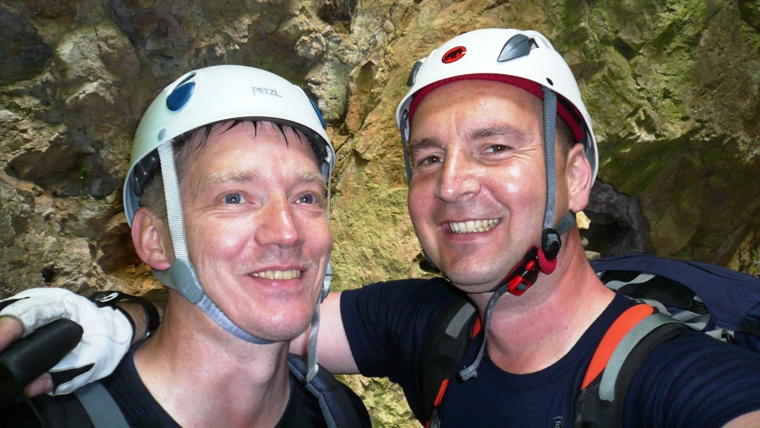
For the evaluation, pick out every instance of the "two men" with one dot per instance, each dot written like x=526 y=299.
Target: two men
x=226 y=198
x=501 y=152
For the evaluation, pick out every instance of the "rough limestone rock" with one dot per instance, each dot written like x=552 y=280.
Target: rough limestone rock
x=672 y=86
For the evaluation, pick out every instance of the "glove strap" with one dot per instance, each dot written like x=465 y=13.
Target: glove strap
x=111 y=298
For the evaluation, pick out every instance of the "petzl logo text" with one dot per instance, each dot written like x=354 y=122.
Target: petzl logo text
x=454 y=54
x=265 y=91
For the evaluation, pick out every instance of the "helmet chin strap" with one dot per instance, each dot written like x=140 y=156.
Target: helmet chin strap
x=522 y=277
x=525 y=273
x=181 y=276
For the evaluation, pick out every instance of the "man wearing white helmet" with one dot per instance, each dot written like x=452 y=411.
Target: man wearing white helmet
x=500 y=154
x=227 y=200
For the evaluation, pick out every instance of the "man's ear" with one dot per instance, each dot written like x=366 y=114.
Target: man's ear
x=148 y=237
x=578 y=173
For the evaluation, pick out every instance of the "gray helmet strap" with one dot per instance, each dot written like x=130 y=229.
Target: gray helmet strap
x=550 y=235
x=405 y=144
x=550 y=125
x=312 y=356
x=181 y=275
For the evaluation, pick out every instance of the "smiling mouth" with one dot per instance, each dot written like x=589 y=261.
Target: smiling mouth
x=473 y=226
x=278 y=274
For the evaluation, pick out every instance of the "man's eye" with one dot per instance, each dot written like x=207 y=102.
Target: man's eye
x=308 y=199
x=430 y=160
x=496 y=148
x=234 y=198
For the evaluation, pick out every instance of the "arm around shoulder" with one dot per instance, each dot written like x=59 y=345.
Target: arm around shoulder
x=332 y=344
x=106 y=338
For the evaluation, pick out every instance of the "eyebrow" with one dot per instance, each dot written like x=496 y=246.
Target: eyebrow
x=424 y=143
x=497 y=131
x=313 y=177
x=231 y=176
x=477 y=134
x=248 y=176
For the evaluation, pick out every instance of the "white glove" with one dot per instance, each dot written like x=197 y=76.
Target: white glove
x=106 y=338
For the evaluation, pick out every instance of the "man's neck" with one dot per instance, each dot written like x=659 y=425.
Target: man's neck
x=203 y=376
x=533 y=331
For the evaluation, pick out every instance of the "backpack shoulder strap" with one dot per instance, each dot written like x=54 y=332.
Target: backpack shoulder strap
x=625 y=322
x=617 y=359
x=445 y=344
x=88 y=407
x=337 y=408
x=100 y=406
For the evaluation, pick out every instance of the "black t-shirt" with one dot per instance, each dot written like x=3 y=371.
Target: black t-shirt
x=140 y=410
x=693 y=380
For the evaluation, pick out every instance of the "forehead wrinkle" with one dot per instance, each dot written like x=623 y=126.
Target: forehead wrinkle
x=231 y=176
x=249 y=177
x=505 y=131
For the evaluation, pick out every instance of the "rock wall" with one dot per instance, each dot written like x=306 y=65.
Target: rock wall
x=671 y=84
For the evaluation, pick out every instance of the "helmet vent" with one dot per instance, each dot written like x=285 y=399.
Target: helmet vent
x=454 y=54
x=144 y=171
x=161 y=134
x=187 y=79
x=319 y=113
x=413 y=75
x=517 y=46
x=180 y=96
x=550 y=81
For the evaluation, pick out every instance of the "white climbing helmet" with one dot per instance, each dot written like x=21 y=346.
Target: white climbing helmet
x=208 y=95
x=520 y=58
x=527 y=60
x=203 y=97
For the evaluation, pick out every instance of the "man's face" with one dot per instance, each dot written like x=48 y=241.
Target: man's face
x=477 y=192
x=257 y=228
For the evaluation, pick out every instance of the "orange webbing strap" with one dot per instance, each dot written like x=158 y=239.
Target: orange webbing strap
x=625 y=322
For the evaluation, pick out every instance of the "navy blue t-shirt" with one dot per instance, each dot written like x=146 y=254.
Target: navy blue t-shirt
x=693 y=380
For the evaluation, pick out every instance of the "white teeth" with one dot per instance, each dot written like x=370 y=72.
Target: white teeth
x=472 y=226
x=278 y=274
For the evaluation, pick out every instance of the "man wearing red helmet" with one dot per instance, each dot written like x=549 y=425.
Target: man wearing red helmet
x=500 y=154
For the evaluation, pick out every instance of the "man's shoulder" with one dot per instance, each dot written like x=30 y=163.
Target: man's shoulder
x=709 y=381
x=136 y=403
x=410 y=289
x=396 y=304
x=309 y=404
x=695 y=348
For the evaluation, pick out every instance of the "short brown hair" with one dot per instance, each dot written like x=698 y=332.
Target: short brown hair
x=153 y=197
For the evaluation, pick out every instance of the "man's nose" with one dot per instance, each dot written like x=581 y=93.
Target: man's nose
x=458 y=178
x=278 y=225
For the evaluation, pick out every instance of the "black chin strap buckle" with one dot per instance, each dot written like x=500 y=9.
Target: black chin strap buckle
x=551 y=240
x=427 y=265
x=550 y=243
